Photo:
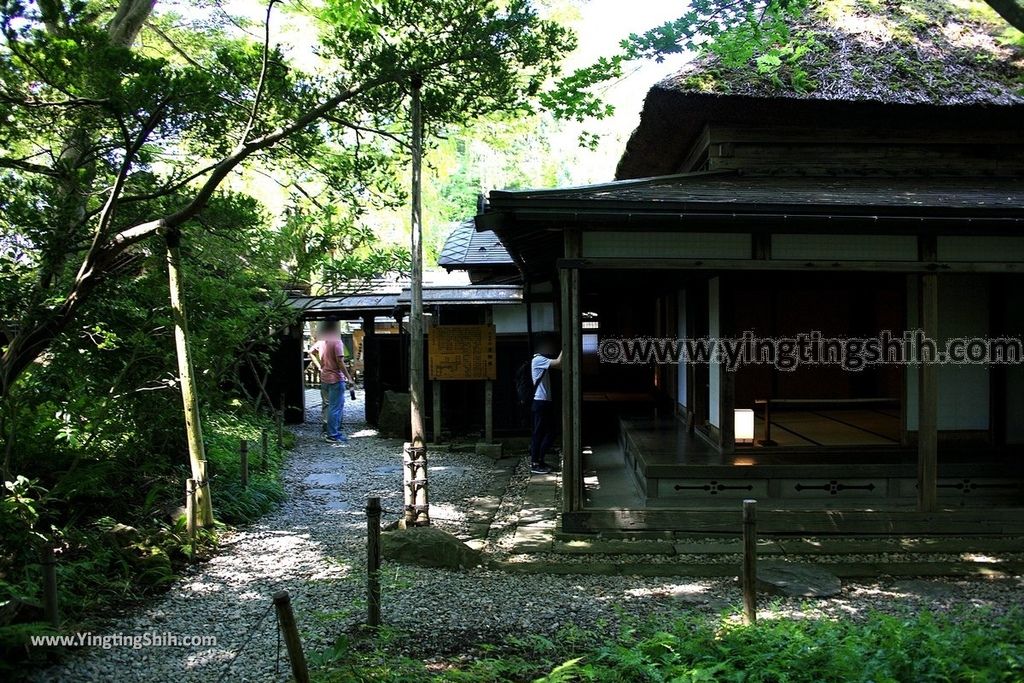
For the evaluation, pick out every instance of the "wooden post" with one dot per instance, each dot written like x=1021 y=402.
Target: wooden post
x=749 y=571
x=265 y=448
x=243 y=451
x=528 y=300
x=51 y=608
x=489 y=411
x=435 y=386
x=417 y=501
x=768 y=424
x=571 y=326
x=186 y=377
x=928 y=401
x=290 y=633
x=373 y=562
x=190 y=515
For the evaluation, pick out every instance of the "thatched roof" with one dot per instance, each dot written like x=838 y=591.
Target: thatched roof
x=946 y=52
x=906 y=62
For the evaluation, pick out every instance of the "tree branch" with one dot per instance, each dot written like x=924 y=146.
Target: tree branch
x=29 y=167
x=261 y=83
x=174 y=46
x=365 y=129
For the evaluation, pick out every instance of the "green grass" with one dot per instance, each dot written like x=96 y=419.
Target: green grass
x=965 y=647
x=121 y=545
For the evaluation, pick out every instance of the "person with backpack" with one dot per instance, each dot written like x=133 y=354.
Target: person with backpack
x=542 y=405
x=329 y=354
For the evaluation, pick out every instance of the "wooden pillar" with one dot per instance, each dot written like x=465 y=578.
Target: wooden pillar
x=370 y=374
x=571 y=326
x=928 y=400
x=528 y=300
x=435 y=385
x=489 y=389
x=489 y=411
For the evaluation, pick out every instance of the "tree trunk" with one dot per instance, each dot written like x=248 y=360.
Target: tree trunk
x=1010 y=10
x=190 y=403
x=417 y=511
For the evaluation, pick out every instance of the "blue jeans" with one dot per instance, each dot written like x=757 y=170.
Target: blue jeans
x=543 y=430
x=335 y=406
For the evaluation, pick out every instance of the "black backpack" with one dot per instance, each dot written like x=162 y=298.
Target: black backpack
x=526 y=388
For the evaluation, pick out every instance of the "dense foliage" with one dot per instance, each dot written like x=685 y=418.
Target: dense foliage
x=127 y=122
x=879 y=649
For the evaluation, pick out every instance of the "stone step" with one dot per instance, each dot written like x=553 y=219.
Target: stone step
x=843 y=570
x=574 y=544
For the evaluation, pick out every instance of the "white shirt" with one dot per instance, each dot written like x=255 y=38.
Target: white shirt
x=537 y=366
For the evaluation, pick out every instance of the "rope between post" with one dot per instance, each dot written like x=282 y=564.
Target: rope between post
x=252 y=632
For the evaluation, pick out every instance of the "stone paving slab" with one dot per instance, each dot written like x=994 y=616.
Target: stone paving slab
x=764 y=547
x=615 y=547
x=532 y=540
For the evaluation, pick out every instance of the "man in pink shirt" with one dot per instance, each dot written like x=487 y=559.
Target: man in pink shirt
x=328 y=354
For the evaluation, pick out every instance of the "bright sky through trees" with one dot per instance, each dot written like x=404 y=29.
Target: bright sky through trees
x=599 y=25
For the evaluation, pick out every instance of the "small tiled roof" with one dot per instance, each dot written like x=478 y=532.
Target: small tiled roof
x=467 y=248
x=312 y=305
x=475 y=294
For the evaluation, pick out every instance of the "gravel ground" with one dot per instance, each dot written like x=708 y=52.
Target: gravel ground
x=314 y=546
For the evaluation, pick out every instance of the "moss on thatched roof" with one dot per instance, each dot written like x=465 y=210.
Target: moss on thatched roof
x=946 y=52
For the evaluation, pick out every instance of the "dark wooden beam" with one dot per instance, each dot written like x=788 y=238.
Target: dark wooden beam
x=928 y=400
x=611 y=263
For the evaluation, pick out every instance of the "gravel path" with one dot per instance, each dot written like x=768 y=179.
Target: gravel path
x=314 y=546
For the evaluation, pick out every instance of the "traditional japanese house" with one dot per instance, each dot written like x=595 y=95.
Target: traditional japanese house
x=479 y=285
x=885 y=193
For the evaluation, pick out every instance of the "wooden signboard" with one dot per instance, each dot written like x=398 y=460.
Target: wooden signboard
x=462 y=352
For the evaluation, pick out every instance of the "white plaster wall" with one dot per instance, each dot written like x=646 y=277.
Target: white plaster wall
x=667 y=245
x=1015 y=373
x=714 y=330
x=511 y=319
x=963 y=389
x=979 y=248
x=845 y=247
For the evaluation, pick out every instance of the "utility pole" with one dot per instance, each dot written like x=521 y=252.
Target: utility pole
x=415 y=456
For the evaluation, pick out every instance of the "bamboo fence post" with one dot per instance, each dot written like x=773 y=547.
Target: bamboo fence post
x=290 y=633
x=373 y=512
x=51 y=608
x=190 y=516
x=749 y=575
